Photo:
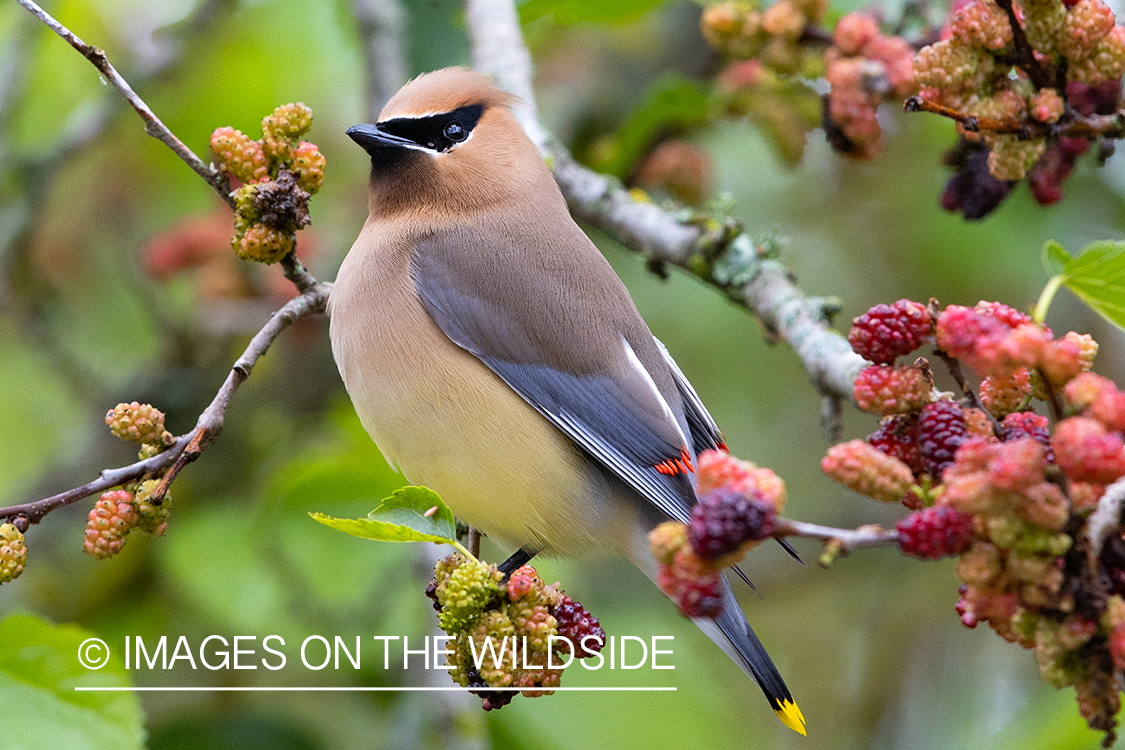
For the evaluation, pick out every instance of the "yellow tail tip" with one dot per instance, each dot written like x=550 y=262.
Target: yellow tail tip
x=791 y=716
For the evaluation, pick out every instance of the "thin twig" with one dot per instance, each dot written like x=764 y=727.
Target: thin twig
x=107 y=479
x=832 y=417
x=187 y=447
x=958 y=373
x=1053 y=401
x=1073 y=125
x=295 y=271
x=153 y=124
x=836 y=541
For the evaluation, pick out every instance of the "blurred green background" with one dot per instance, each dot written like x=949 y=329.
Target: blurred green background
x=99 y=305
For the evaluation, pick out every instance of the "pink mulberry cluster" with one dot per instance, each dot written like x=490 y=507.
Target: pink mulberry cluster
x=993 y=483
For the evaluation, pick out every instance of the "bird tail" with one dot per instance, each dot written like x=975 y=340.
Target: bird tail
x=730 y=632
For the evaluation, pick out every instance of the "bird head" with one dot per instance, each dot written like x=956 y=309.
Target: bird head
x=446 y=141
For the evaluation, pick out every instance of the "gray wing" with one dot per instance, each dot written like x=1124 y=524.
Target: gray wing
x=572 y=346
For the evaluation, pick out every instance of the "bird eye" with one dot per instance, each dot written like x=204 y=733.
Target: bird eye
x=454 y=132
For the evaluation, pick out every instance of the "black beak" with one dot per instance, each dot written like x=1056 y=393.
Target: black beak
x=370 y=138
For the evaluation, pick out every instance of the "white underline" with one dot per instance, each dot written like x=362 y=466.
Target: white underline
x=363 y=689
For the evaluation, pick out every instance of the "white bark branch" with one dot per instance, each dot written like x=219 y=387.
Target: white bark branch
x=759 y=283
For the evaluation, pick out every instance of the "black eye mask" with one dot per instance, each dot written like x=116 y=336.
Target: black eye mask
x=437 y=132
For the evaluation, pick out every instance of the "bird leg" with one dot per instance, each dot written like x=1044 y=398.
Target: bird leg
x=518 y=559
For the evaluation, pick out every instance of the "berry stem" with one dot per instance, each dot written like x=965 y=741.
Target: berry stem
x=954 y=366
x=1052 y=397
x=463 y=550
x=1046 y=297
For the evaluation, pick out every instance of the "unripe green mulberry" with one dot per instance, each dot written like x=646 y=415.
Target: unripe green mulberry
x=13 y=552
x=1087 y=23
x=445 y=567
x=239 y=155
x=534 y=621
x=465 y=594
x=494 y=627
x=308 y=163
x=244 y=201
x=666 y=539
x=1105 y=63
x=282 y=129
x=1043 y=24
x=1010 y=158
x=152 y=518
x=148 y=451
x=263 y=244
x=461 y=660
x=108 y=524
x=945 y=64
x=137 y=423
x=734 y=28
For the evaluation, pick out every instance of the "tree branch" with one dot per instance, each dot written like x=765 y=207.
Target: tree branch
x=498 y=50
x=724 y=258
x=381 y=24
x=837 y=541
x=153 y=124
x=189 y=446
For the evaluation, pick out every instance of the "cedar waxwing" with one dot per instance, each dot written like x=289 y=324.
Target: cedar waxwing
x=495 y=357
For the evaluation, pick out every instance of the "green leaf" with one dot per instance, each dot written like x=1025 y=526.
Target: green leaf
x=1097 y=276
x=401 y=518
x=1054 y=257
x=39 y=671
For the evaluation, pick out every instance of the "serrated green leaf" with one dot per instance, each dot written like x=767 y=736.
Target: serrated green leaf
x=1054 y=257
x=1097 y=276
x=401 y=518
x=39 y=671
x=409 y=505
